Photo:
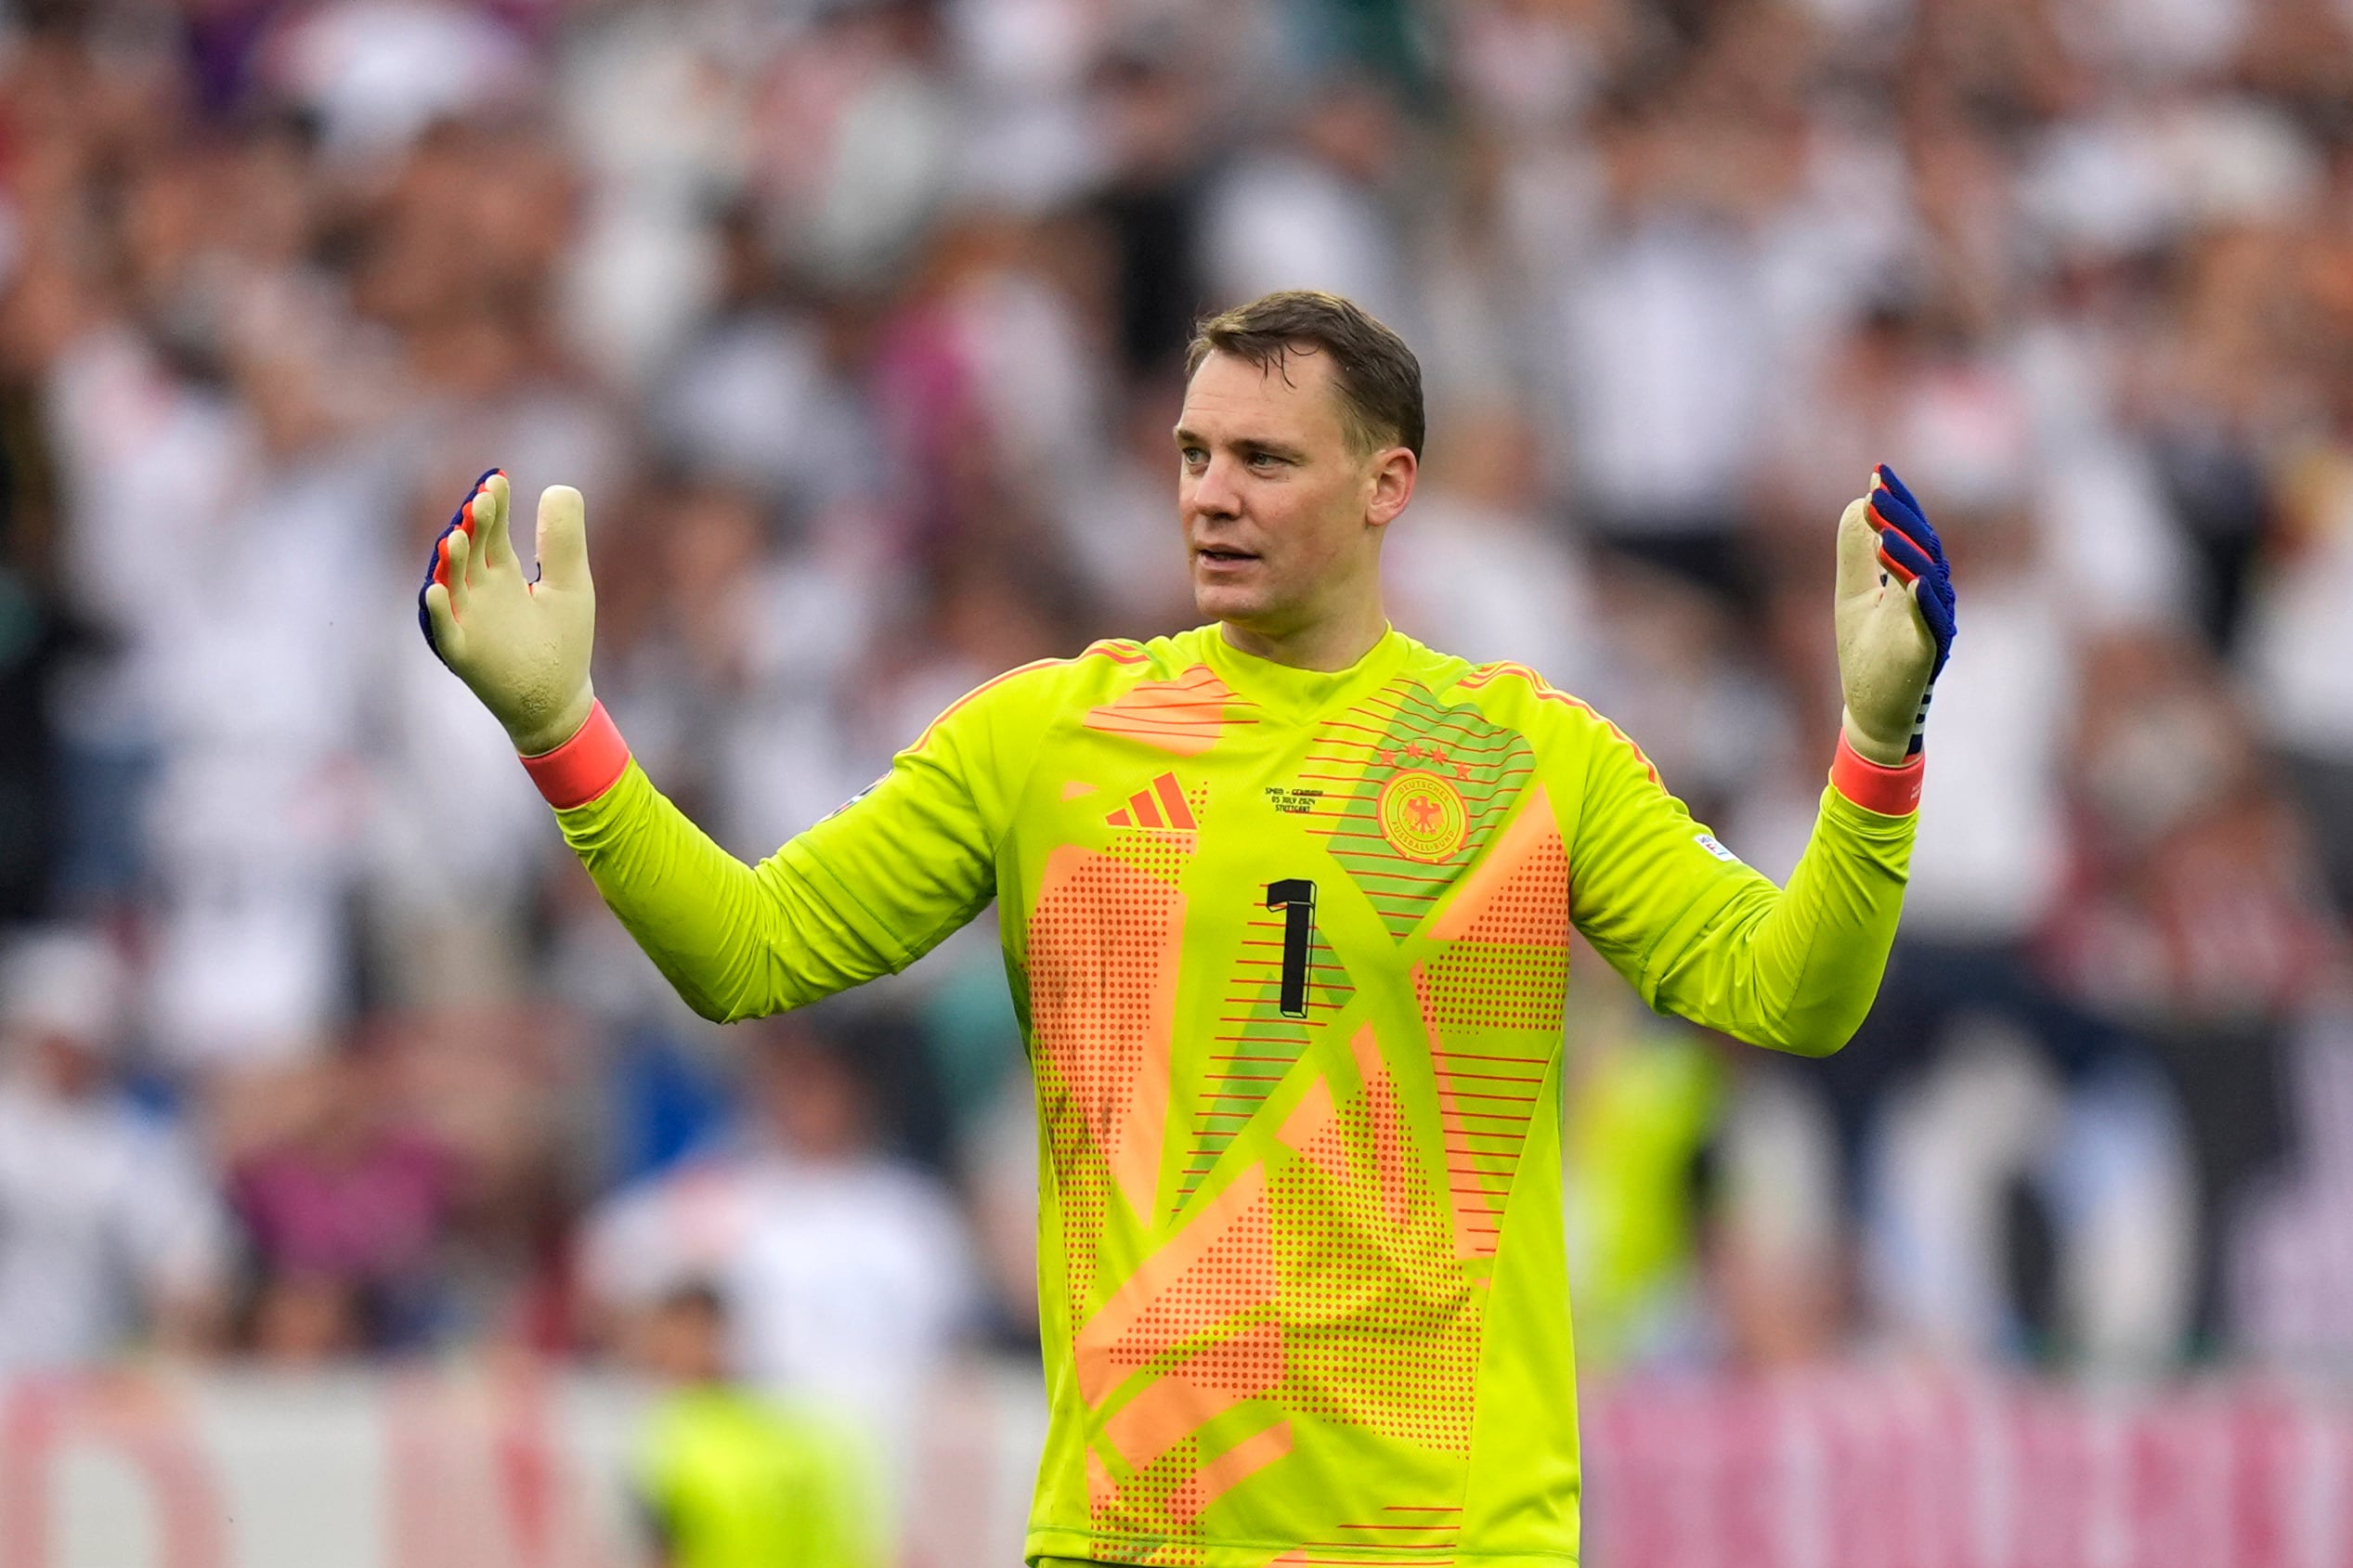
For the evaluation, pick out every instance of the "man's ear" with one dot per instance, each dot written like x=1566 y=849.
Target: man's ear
x=1394 y=473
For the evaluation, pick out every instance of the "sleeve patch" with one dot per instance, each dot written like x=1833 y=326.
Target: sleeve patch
x=853 y=799
x=1708 y=842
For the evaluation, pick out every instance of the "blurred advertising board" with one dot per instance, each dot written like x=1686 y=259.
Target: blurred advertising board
x=490 y=1465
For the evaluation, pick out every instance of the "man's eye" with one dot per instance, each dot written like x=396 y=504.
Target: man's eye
x=1194 y=457
x=1263 y=460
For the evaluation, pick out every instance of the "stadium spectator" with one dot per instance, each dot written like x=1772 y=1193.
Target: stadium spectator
x=110 y=1232
x=348 y=1208
x=852 y=1269
x=727 y=1478
x=1314 y=207
x=2299 y=653
x=2195 y=917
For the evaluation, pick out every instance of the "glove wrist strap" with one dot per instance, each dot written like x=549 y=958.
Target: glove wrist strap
x=1891 y=792
x=584 y=767
x=1919 y=718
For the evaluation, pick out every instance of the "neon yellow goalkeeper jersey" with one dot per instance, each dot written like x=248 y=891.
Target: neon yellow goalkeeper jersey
x=1291 y=955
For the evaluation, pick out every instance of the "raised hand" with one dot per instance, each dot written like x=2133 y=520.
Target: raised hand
x=1894 y=619
x=521 y=645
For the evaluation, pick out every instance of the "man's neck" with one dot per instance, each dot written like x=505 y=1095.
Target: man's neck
x=1325 y=645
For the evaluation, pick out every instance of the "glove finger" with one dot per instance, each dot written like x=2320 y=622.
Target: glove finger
x=1933 y=595
x=442 y=632
x=1893 y=512
x=1914 y=515
x=1895 y=486
x=456 y=574
x=1904 y=559
x=1890 y=513
x=563 y=539
x=433 y=576
x=1908 y=539
x=468 y=521
x=493 y=506
x=438 y=559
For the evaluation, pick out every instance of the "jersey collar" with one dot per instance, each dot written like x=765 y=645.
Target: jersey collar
x=1288 y=691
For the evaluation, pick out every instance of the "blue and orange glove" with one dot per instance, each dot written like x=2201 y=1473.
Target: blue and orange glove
x=1894 y=619
x=521 y=645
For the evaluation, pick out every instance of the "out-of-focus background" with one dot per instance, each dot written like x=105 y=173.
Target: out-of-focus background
x=365 y=1197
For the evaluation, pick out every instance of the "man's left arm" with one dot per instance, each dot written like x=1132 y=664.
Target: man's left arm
x=1703 y=936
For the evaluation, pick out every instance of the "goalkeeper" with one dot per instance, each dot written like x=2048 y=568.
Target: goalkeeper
x=1285 y=903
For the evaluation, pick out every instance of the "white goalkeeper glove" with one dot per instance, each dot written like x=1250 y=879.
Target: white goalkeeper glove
x=522 y=646
x=1895 y=620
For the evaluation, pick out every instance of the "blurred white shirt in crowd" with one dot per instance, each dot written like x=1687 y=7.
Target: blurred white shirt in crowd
x=102 y=1214
x=656 y=101
x=1990 y=853
x=1663 y=373
x=447 y=903
x=846 y=1282
x=782 y=757
x=377 y=72
x=1489 y=586
x=752 y=400
x=242 y=594
x=1282 y=220
x=2300 y=656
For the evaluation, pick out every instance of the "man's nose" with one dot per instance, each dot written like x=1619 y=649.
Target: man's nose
x=1214 y=494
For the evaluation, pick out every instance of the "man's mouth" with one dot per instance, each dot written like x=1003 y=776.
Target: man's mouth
x=1225 y=555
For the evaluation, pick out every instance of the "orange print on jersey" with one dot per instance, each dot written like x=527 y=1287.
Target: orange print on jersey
x=1492 y=1003
x=1184 y=716
x=1310 y=1133
x=1218 y=1267
x=1106 y=941
x=1204 y=1386
x=1228 y=1470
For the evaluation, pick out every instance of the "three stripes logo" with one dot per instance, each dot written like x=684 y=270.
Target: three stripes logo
x=1159 y=804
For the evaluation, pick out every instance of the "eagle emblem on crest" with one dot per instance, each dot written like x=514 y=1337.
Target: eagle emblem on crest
x=1422 y=812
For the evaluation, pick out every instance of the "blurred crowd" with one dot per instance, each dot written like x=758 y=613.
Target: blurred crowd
x=859 y=322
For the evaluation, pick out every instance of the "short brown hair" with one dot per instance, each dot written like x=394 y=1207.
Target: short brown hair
x=1380 y=379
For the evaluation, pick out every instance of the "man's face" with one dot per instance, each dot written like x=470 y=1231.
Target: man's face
x=1281 y=514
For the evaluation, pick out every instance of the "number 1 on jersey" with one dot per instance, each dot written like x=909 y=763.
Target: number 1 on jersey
x=1296 y=898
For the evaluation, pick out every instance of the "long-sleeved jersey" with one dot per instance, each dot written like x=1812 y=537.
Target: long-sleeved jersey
x=1290 y=950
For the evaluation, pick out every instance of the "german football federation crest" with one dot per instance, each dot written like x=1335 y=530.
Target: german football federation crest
x=1423 y=815
x=1405 y=810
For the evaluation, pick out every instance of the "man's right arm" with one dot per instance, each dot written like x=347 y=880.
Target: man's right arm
x=863 y=894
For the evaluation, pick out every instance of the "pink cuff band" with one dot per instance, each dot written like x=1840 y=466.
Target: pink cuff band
x=582 y=768
x=1891 y=792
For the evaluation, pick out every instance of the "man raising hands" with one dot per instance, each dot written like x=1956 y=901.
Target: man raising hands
x=1286 y=903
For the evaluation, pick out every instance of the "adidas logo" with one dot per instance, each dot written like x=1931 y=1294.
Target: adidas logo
x=1158 y=804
